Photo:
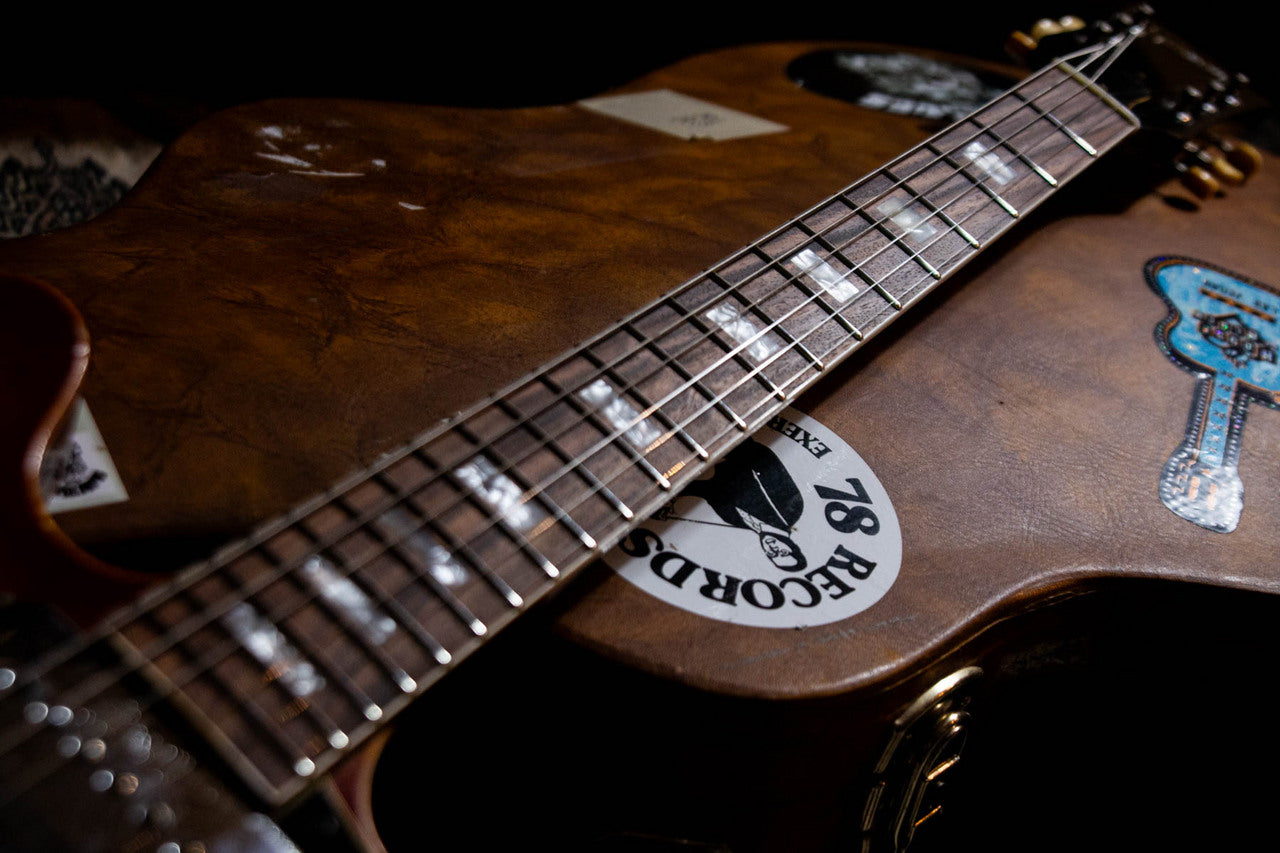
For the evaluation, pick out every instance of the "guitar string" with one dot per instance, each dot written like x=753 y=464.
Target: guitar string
x=417 y=487
x=606 y=367
x=787 y=384
x=846 y=306
x=802 y=373
x=718 y=297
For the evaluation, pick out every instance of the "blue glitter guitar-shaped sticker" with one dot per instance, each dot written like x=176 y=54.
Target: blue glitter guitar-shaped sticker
x=1223 y=328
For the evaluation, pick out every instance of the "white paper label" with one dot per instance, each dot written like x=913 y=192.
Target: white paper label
x=682 y=116
x=79 y=472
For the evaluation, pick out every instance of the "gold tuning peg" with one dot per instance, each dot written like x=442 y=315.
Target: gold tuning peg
x=1240 y=154
x=1049 y=27
x=1216 y=163
x=1198 y=180
x=1021 y=45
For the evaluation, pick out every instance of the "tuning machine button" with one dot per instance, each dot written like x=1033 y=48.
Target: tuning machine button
x=1240 y=154
x=1198 y=179
x=1049 y=27
x=1021 y=45
x=1216 y=163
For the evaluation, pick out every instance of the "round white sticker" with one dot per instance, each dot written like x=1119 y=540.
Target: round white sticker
x=789 y=530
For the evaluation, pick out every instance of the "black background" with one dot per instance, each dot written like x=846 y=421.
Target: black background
x=162 y=68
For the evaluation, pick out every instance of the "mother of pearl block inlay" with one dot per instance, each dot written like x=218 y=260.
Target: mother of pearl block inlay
x=729 y=317
x=270 y=648
x=344 y=595
x=824 y=275
x=641 y=432
x=499 y=492
x=913 y=219
x=401 y=526
x=989 y=162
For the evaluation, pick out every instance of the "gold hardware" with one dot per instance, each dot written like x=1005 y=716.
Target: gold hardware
x=924 y=747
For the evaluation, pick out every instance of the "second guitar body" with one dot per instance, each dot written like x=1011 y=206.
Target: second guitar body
x=298 y=287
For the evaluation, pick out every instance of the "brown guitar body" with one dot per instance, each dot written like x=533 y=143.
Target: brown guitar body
x=260 y=328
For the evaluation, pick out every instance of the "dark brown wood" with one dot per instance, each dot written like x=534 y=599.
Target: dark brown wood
x=1010 y=425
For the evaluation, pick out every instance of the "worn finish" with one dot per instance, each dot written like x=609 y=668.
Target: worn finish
x=264 y=324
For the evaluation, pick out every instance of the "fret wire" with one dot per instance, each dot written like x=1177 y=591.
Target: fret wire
x=585 y=473
x=459 y=547
x=204 y=666
x=1007 y=142
x=490 y=450
x=43 y=664
x=233 y=645
x=442 y=592
x=390 y=604
x=981 y=185
x=1000 y=140
x=647 y=409
x=376 y=595
x=754 y=308
x=201 y=618
x=1048 y=116
x=279 y=622
x=1030 y=164
x=206 y=616
x=518 y=539
x=882 y=227
x=294 y=753
x=312 y=596
x=833 y=251
x=935 y=210
x=589 y=416
x=691 y=317
x=815 y=296
x=387 y=603
x=679 y=368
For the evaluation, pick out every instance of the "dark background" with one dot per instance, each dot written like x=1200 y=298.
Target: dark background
x=163 y=68
x=1048 y=782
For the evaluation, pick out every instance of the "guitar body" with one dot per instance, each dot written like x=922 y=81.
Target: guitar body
x=298 y=287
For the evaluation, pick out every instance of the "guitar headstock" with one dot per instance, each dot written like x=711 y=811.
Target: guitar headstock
x=1173 y=89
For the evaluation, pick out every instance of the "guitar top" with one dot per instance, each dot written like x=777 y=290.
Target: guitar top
x=297 y=287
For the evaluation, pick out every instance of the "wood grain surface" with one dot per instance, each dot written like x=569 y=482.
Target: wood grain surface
x=261 y=328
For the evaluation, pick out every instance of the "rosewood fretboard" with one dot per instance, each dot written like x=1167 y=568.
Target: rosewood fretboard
x=291 y=646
